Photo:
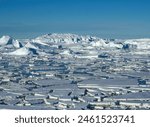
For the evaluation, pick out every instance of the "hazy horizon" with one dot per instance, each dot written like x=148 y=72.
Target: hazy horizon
x=102 y=18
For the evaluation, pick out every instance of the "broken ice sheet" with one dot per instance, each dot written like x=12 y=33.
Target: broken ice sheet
x=67 y=71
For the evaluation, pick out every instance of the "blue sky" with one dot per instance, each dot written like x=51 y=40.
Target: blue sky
x=103 y=18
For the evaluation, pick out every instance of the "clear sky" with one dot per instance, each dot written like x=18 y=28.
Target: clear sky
x=103 y=18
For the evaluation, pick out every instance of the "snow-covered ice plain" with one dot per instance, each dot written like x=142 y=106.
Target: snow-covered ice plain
x=67 y=71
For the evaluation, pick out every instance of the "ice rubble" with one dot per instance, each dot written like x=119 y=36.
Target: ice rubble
x=68 y=39
x=74 y=44
x=91 y=41
x=75 y=72
x=7 y=40
x=139 y=43
x=29 y=45
x=23 y=52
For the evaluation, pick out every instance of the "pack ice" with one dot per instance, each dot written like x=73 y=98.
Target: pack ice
x=68 y=71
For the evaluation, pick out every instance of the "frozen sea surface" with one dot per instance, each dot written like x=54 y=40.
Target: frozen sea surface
x=66 y=71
